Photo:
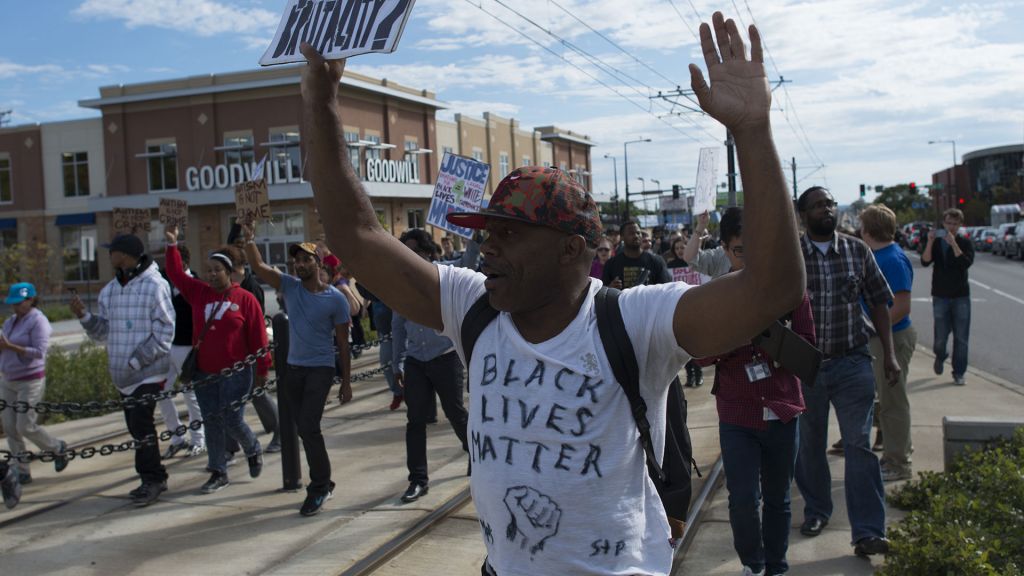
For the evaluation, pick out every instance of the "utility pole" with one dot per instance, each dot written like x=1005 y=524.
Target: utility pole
x=5 y=117
x=794 y=179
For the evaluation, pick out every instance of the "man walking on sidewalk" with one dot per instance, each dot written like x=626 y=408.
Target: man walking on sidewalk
x=840 y=272
x=316 y=312
x=136 y=320
x=878 y=229
x=951 y=293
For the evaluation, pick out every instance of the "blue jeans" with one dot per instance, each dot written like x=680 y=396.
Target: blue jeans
x=848 y=383
x=759 y=463
x=382 y=320
x=213 y=398
x=952 y=314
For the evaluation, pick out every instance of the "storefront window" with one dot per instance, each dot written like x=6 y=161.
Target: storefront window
x=414 y=218
x=353 y=152
x=238 y=149
x=274 y=236
x=6 y=190
x=76 y=173
x=162 y=163
x=286 y=153
x=373 y=153
x=71 y=243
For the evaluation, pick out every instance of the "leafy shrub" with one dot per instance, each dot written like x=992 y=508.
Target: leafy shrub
x=57 y=312
x=967 y=522
x=79 y=375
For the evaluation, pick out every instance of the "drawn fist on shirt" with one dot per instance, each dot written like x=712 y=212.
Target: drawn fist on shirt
x=534 y=516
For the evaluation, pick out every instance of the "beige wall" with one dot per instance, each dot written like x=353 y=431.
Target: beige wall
x=72 y=136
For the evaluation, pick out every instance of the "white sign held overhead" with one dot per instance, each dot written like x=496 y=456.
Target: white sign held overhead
x=706 y=193
x=338 y=28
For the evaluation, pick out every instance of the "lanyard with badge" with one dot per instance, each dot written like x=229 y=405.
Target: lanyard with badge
x=757 y=370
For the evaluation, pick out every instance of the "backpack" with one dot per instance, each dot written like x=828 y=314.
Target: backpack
x=672 y=477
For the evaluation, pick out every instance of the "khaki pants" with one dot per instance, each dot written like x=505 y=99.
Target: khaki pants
x=20 y=426
x=893 y=402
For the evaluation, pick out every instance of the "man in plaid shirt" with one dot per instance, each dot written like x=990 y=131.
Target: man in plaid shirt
x=841 y=271
x=136 y=321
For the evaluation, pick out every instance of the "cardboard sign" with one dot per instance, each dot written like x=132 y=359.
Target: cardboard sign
x=338 y=28
x=131 y=220
x=688 y=275
x=173 y=213
x=460 y=188
x=252 y=201
x=707 y=175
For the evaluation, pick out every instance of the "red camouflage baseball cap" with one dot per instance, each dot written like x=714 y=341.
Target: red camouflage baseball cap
x=542 y=196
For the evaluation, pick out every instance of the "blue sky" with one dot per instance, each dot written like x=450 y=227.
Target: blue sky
x=872 y=81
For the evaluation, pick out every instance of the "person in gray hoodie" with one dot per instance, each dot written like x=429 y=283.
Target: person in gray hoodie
x=136 y=321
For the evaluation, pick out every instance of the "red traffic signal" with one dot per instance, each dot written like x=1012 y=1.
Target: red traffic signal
x=913 y=188
x=962 y=201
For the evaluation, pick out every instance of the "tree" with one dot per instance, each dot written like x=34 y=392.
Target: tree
x=25 y=263
x=901 y=201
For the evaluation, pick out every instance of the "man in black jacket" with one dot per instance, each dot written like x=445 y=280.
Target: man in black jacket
x=951 y=293
x=632 y=266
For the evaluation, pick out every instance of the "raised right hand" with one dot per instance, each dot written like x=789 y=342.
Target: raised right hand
x=171 y=234
x=77 y=307
x=702 y=223
x=321 y=77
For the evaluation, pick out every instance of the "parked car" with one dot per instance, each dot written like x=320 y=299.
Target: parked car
x=983 y=243
x=1003 y=235
x=1015 y=244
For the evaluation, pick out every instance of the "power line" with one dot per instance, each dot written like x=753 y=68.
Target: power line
x=680 y=14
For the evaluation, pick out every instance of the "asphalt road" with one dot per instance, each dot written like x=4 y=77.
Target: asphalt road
x=997 y=314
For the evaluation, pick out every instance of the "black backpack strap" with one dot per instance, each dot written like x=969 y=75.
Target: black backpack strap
x=619 y=350
x=479 y=316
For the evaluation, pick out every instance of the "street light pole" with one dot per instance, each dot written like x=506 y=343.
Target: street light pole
x=625 y=164
x=615 y=171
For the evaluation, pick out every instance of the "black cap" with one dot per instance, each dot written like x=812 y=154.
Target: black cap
x=128 y=244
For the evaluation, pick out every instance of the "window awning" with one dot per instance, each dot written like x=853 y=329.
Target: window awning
x=8 y=223
x=84 y=219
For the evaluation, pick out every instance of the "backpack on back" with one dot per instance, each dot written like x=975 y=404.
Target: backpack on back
x=672 y=476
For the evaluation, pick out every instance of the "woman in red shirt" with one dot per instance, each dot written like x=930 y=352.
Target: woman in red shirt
x=235 y=330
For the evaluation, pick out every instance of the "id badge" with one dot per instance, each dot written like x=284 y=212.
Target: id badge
x=757 y=370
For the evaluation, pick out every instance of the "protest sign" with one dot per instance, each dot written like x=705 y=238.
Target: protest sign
x=252 y=201
x=460 y=188
x=173 y=213
x=131 y=220
x=338 y=28
x=707 y=176
x=688 y=275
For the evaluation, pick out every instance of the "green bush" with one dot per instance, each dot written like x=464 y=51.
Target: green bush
x=57 y=312
x=967 y=522
x=79 y=375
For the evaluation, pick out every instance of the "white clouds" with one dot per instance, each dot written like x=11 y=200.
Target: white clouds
x=200 y=17
x=12 y=69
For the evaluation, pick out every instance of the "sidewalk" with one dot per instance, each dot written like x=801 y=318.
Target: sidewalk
x=931 y=398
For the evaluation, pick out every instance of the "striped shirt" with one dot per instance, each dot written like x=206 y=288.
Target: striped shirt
x=836 y=281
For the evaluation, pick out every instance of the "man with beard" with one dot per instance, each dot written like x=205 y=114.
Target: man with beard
x=841 y=270
x=136 y=321
x=634 y=266
x=317 y=312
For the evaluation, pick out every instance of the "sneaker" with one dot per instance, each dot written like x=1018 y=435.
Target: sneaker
x=870 y=546
x=141 y=489
x=274 y=445
x=894 y=474
x=938 y=365
x=195 y=450
x=837 y=449
x=748 y=572
x=11 y=488
x=314 y=502
x=959 y=380
x=148 y=493
x=698 y=377
x=396 y=401
x=172 y=450
x=215 y=483
x=24 y=478
x=414 y=492
x=61 y=461
x=813 y=526
x=255 y=464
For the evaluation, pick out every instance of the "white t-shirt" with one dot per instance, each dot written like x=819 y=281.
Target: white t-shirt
x=559 y=478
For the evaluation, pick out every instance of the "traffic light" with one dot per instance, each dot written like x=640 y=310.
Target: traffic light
x=861 y=190
x=961 y=201
x=913 y=188
x=675 y=191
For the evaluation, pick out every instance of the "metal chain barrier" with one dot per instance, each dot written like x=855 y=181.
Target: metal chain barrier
x=133 y=444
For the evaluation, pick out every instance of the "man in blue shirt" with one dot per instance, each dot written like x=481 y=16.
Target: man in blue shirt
x=425 y=363
x=878 y=231
x=318 y=317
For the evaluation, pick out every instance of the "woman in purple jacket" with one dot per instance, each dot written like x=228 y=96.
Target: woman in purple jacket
x=23 y=344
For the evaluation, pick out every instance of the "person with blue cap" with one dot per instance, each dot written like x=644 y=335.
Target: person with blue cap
x=135 y=319
x=23 y=344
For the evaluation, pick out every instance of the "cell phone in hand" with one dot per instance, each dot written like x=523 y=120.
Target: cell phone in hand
x=940 y=233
